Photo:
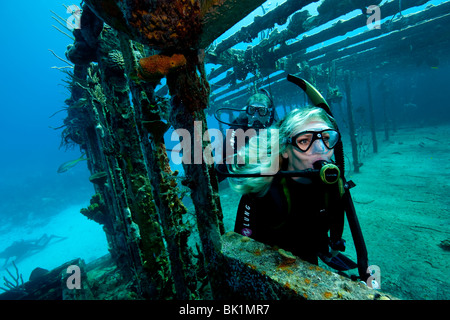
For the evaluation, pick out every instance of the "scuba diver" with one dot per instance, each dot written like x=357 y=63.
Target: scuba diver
x=258 y=113
x=302 y=207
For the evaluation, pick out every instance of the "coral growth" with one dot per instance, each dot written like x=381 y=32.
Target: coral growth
x=16 y=286
x=189 y=88
x=115 y=61
x=155 y=67
x=97 y=210
x=172 y=24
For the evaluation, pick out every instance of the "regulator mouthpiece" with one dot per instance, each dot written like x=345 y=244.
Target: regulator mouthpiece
x=329 y=172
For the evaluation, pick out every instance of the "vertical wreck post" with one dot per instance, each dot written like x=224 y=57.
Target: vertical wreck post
x=351 y=125
x=105 y=127
x=383 y=89
x=151 y=122
x=190 y=94
x=137 y=205
x=371 y=114
x=385 y=115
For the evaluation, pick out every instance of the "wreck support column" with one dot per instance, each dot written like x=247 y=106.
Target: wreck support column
x=385 y=115
x=151 y=123
x=351 y=125
x=139 y=212
x=371 y=114
x=190 y=94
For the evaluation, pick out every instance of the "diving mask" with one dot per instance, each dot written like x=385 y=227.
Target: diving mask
x=305 y=139
x=262 y=110
x=258 y=116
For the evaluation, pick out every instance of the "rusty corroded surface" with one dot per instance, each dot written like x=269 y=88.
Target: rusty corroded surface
x=258 y=271
x=164 y=25
x=173 y=26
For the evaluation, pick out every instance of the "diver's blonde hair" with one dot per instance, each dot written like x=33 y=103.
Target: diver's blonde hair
x=289 y=126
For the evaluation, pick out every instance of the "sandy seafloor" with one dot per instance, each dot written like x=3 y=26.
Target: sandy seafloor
x=401 y=199
x=83 y=239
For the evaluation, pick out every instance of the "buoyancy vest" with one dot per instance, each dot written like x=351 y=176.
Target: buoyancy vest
x=294 y=216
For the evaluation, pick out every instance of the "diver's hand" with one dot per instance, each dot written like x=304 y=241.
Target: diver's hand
x=334 y=253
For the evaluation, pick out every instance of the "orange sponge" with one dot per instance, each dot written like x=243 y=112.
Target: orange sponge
x=155 y=67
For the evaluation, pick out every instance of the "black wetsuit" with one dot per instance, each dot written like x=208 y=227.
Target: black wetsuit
x=293 y=216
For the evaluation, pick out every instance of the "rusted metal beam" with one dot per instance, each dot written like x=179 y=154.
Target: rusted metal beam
x=258 y=271
x=337 y=51
x=222 y=15
x=278 y=16
x=175 y=26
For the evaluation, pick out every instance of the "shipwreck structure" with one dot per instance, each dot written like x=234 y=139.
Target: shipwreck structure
x=121 y=52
